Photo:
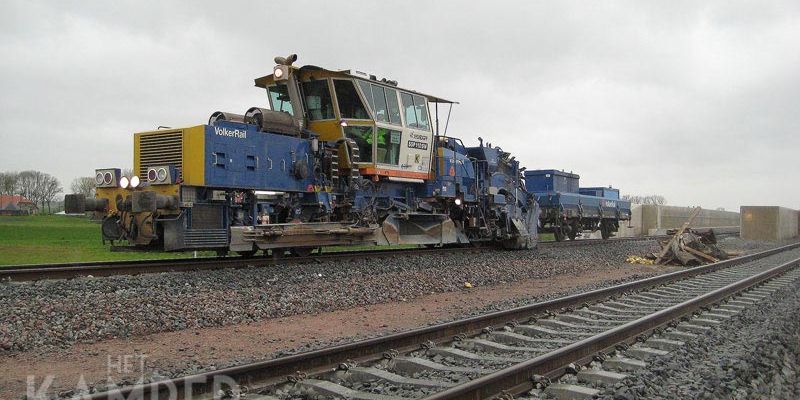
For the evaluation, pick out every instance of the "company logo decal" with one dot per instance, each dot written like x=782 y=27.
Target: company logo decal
x=234 y=133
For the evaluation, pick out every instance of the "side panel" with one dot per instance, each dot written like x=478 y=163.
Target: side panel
x=256 y=160
x=194 y=147
x=415 y=151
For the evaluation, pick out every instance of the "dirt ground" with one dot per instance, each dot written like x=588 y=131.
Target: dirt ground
x=119 y=360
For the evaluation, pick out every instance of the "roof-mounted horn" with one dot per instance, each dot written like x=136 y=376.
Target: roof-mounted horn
x=287 y=61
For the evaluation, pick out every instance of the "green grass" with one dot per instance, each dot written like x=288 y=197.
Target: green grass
x=38 y=239
x=547 y=237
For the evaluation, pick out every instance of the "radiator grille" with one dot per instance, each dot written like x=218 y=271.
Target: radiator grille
x=207 y=217
x=162 y=148
x=205 y=238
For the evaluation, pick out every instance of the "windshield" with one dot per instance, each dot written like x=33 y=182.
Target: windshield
x=279 y=99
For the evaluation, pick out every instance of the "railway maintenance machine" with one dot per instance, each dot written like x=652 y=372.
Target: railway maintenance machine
x=339 y=158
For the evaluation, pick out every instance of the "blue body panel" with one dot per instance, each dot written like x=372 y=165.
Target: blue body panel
x=239 y=156
x=454 y=173
x=571 y=200
x=551 y=180
x=605 y=192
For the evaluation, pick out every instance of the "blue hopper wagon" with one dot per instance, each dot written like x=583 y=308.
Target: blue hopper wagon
x=567 y=209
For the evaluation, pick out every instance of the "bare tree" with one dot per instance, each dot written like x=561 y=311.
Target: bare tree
x=8 y=182
x=50 y=188
x=26 y=185
x=654 y=199
x=83 y=185
x=36 y=186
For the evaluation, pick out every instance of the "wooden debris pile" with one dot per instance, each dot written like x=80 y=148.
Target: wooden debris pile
x=691 y=248
x=687 y=247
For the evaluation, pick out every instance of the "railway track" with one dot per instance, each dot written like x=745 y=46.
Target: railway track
x=594 y=338
x=32 y=272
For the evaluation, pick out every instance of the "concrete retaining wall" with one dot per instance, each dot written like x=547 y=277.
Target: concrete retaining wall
x=769 y=223
x=655 y=220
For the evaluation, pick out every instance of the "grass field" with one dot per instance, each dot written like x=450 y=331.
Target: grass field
x=39 y=239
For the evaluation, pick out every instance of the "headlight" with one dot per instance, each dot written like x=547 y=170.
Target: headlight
x=278 y=73
x=124 y=182
x=108 y=178
x=458 y=201
x=135 y=181
x=151 y=175
x=98 y=179
x=162 y=174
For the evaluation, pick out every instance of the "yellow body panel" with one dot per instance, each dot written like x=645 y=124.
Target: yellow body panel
x=194 y=150
x=111 y=195
x=328 y=130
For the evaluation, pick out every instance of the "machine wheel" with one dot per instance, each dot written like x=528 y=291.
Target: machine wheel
x=247 y=254
x=301 y=251
x=277 y=254
x=559 y=234
x=605 y=230
x=572 y=231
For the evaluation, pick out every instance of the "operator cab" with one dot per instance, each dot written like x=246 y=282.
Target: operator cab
x=388 y=128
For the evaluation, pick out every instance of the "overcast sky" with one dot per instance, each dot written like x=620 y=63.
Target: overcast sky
x=697 y=101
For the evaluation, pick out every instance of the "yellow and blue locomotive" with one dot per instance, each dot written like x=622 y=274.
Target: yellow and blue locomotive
x=339 y=158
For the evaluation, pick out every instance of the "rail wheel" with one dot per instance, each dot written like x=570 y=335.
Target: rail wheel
x=247 y=254
x=277 y=254
x=301 y=251
x=559 y=233
x=573 y=230
x=605 y=230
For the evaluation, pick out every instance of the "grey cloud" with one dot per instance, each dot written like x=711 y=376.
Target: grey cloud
x=693 y=100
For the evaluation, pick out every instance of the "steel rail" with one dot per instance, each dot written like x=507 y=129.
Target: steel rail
x=30 y=272
x=133 y=267
x=371 y=349
x=517 y=379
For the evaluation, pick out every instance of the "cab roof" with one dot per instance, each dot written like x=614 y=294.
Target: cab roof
x=265 y=81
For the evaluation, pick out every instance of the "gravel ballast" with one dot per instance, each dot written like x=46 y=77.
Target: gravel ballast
x=752 y=356
x=59 y=313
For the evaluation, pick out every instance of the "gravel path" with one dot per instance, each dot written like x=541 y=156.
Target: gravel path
x=60 y=313
x=511 y=279
x=50 y=315
x=754 y=356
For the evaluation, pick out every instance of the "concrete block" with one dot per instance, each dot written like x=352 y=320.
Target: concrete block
x=624 y=364
x=332 y=390
x=663 y=344
x=769 y=223
x=656 y=220
x=679 y=335
x=598 y=376
x=373 y=374
x=563 y=391
x=644 y=353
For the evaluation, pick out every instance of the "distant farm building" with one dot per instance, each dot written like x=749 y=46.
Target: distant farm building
x=17 y=205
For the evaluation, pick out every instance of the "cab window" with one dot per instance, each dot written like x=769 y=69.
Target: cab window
x=350 y=105
x=367 y=92
x=392 y=107
x=415 y=111
x=422 y=112
x=318 y=100
x=382 y=101
x=279 y=99
x=388 y=145
x=379 y=98
x=362 y=135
